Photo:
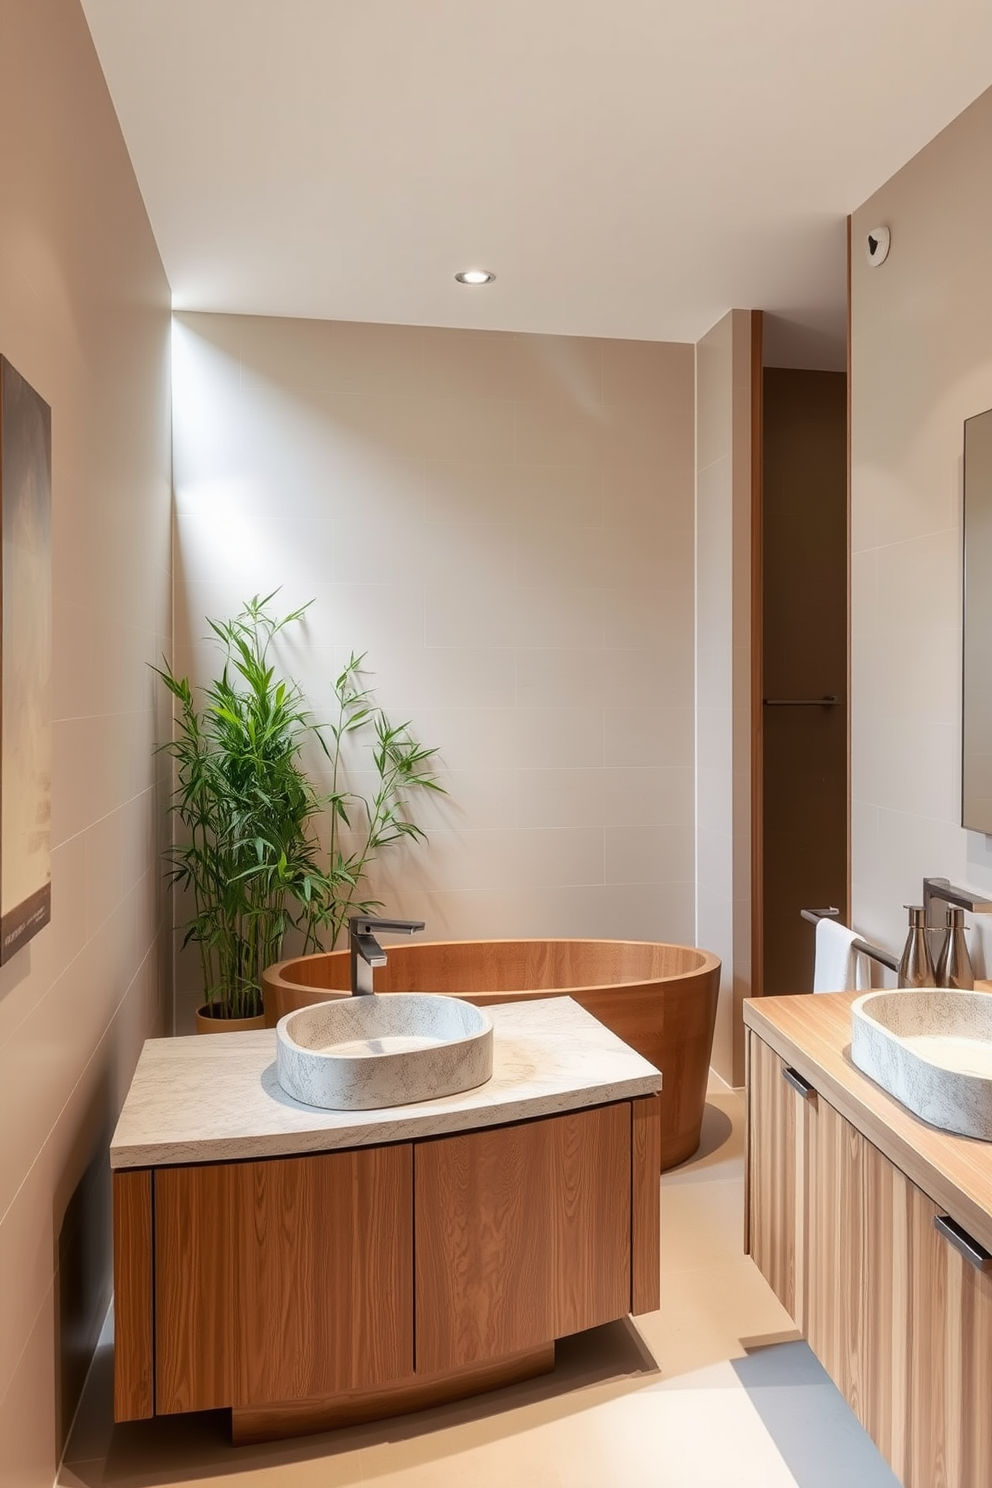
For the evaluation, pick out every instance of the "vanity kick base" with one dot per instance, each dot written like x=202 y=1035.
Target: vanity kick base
x=298 y=1417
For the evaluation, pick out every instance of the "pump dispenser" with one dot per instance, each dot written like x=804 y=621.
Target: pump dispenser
x=954 y=968
x=916 y=966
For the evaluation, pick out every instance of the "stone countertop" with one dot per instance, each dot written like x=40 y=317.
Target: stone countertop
x=813 y=1034
x=216 y=1098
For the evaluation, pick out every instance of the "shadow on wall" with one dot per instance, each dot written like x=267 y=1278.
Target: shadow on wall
x=83 y=1244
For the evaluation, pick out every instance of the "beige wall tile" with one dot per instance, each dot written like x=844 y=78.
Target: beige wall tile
x=921 y=364
x=514 y=551
x=660 y=795
x=643 y=855
x=556 y=797
x=634 y=619
x=87 y=322
x=567 y=493
x=648 y=736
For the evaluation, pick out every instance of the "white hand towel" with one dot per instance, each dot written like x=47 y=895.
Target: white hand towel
x=838 y=966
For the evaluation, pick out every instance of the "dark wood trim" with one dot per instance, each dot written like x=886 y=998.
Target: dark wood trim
x=134 y=1343
x=297 y=1417
x=22 y=923
x=757 y=656
x=645 y=1204
x=847 y=907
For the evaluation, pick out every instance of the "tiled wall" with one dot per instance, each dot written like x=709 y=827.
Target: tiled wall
x=84 y=315
x=922 y=363
x=505 y=524
x=723 y=670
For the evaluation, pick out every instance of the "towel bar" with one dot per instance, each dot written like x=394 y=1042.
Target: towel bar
x=875 y=952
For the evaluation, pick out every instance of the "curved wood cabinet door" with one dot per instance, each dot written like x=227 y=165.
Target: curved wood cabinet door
x=523 y=1234
x=283 y=1278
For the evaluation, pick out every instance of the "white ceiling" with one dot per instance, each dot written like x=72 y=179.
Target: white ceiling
x=628 y=168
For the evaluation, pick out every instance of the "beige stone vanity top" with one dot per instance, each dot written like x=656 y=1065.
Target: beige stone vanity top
x=813 y=1034
x=217 y=1099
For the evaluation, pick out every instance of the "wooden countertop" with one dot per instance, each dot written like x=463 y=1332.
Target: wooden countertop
x=217 y=1099
x=813 y=1034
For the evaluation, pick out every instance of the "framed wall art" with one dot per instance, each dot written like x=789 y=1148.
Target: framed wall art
x=25 y=662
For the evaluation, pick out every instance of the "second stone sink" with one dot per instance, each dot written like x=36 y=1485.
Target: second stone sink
x=932 y=1050
x=363 y=1053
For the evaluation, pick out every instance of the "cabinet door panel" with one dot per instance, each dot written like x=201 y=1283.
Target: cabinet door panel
x=836 y=1250
x=522 y=1235
x=776 y=1156
x=282 y=1279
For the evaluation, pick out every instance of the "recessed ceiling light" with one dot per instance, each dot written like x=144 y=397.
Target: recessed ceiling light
x=475 y=276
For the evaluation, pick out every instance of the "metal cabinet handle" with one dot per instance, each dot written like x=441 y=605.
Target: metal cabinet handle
x=795 y=1079
x=976 y=1254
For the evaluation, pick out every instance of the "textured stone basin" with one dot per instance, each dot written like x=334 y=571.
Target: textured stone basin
x=932 y=1050
x=363 y=1053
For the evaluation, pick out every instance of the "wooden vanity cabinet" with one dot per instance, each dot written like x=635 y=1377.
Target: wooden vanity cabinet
x=307 y=1291
x=900 y=1320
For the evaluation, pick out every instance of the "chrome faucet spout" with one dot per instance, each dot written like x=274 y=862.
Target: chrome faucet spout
x=366 y=951
x=953 y=963
x=940 y=888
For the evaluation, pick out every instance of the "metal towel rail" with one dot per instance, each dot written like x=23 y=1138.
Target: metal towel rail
x=875 y=952
x=829 y=700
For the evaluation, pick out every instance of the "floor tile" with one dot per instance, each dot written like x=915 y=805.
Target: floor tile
x=702 y=1224
x=712 y=1315
x=721 y=1148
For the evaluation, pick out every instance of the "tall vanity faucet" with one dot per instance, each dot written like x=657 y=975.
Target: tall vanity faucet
x=366 y=952
x=954 y=968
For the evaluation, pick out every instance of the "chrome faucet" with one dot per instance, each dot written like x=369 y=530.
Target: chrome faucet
x=954 y=962
x=366 y=952
x=941 y=888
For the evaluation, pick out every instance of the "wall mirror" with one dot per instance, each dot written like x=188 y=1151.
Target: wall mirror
x=976 y=771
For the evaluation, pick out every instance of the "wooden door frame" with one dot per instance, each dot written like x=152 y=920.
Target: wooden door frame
x=757 y=657
x=757 y=641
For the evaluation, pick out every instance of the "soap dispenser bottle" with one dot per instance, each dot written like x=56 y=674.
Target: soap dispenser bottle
x=954 y=968
x=916 y=966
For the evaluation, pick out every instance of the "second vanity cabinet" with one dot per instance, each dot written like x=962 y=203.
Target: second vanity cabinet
x=895 y=1312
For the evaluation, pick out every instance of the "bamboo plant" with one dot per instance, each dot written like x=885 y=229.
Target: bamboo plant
x=249 y=853
x=362 y=826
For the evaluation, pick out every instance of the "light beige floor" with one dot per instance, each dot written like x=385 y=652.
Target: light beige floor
x=658 y=1405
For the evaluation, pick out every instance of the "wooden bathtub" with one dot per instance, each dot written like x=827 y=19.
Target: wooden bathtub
x=661 y=999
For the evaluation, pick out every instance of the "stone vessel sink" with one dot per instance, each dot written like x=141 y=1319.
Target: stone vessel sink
x=363 y=1053
x=932 y=1050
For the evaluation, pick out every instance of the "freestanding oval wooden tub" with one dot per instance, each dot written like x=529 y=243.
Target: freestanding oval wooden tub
x=661 y=999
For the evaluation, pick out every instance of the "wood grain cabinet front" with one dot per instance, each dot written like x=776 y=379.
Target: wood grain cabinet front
x=522 y=1235
x=283 y=1278
x=310 y=1291
x=777 y=1142
x=899 y=1317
